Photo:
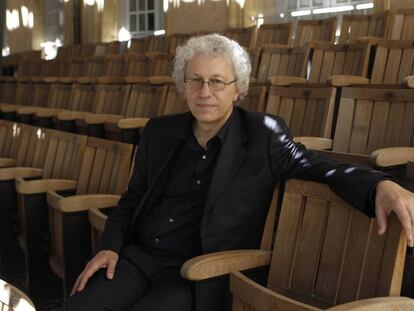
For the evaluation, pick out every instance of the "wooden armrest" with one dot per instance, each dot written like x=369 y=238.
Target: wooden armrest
x=285 y=80
x=134 y=79
x=53 y=198
x=73 y=115
x=10 y=108
x=392 y=156
x=377 y=304
x=258 y=296
x=130 y=123
x=44 y=185
x=48 y=113
x=86 y=80
x=97 y=219
x=316 y=143
x=370 y=39
x=160 y=80
x=29 y=110
x=152 y=54
x=84 y=202
x=346 y=80
x=109 y=80
x=102 y=118
x=409 y=82
x=68 y=80
x=220 y=263
x=51 y=79
x=7 y=162
x=10 y=173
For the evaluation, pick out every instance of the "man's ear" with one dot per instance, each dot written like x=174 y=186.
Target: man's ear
x=236 y=97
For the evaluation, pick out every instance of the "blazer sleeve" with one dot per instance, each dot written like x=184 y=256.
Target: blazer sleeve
x=288 y=159
x=119 y=220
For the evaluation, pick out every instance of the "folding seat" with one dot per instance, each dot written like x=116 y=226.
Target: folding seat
x=158 y=44
x=401 y=25
x=355 y=26
x=325 y=254
x=59 y=171
x=268 y=34
x=255 y=100
x=138 y=45
x=315 y=30
x=104 y=176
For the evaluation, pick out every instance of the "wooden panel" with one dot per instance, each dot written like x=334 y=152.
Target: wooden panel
x=344 y=125
x=393 y=65
x=408 y=28
x=406 y=66
x=59 y=158
x=360 y=131
x=307 y=126
x=106 y=173
x=86 y=166
x=394 y=124
x=286 y=108
x=327 y=65
x=297 y=118
x=97 y=171
x=378 y=126
x=338 y=66
x=49 y=160
x=317 y=59
x=407 y=126
x=378 y=70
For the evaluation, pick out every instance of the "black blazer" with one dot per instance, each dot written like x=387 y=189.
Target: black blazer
x=257 y=152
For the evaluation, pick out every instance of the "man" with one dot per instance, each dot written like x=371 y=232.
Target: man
x=203 y=181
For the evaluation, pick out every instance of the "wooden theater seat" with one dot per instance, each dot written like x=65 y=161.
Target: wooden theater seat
x=315 y=30
x=326 y=253
x=274 y=34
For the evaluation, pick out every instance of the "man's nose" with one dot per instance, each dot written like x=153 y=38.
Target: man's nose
x=205 y=90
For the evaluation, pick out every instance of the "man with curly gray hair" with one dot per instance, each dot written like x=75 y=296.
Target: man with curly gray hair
x=203 y=182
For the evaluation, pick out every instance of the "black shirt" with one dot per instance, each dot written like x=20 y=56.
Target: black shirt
x=172 y=227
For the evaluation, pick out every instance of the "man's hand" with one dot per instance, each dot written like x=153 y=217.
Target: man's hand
x=104 y=259
x=391 y=197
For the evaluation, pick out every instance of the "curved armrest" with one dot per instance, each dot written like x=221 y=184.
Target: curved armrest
x=10 y=108
x=380 y=303
x=73 y=115
x=102 y=118
x=28 y=110
x=97 y=219
x=160 y=80
x=24 y=172
x=220 y=263
x=258 y=296
x=316 y=143
x=392 y=156
x=285 y=80
x=84 y=202
x=49 y=112
x=51 y=79
x=370 y=39
x=346 y=80
x=44 y=185
x=7 y=162
x=136 y=79
x=68 y=80
x=409 y=82
x=109 y=80
x=131 y=123
x=86 y=80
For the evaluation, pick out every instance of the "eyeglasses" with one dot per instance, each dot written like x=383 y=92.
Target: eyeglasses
x=213 y=84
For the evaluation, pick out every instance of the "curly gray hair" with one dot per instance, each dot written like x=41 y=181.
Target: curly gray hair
x=213 y=45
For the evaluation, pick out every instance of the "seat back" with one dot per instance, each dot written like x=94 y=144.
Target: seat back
x=59 y=95
x=315 y=30
x=23 y=92
x=374 y=118
x=338 y=59
x=244 y=36
x=355 y=26
x=145 y=100
x=177 y=40
x=393 y=61
x=328 y=253
x=136 y=64
x=111 y=98
x=104 y=167
x=282 y=61
x=158 y=44
x=40 y=94
x=161 y=65
x=175 y=102
x=274 y=34
x=83 y=97
x=401 y=25
x=32 y=146
x=307 y=111
x=9 y=139
x=255 y=100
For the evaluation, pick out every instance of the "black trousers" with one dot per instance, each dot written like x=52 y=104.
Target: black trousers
x=134 y=290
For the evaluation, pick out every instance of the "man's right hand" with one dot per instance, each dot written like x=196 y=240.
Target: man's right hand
x=104 y=259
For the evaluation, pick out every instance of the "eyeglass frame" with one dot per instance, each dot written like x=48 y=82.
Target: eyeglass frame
x=208 y=83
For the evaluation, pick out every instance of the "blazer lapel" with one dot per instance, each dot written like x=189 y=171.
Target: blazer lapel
x=230 y=159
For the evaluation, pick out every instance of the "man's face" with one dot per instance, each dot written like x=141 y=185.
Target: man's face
x=211 y=107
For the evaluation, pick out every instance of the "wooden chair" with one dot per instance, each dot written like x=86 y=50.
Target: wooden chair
x=104 y=170
x=158 y=44
x=315 y=30
x=177 y=40
x=307 y=111
x=255 y=99
x=62 y=165
x=326 y=253
x=274 y=34
x=9 y=142
x=282 y=61
x=355 y=26
x=401 y=25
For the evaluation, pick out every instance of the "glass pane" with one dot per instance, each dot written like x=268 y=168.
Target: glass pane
x=292 y=4
x=142 y=22
x=151 y=23
x=132 y=5
x=142 y=5
x=132 y=22
x=304 y=3
x=317 y=2
x=150 y=4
